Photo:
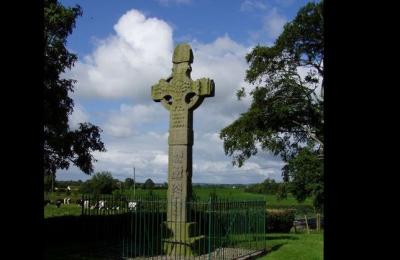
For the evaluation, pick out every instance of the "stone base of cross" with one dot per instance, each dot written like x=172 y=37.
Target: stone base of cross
x=186 y=241
x=180 y=95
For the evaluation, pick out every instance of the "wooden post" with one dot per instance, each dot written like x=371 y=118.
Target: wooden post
x=308 y=230
x=318 y=222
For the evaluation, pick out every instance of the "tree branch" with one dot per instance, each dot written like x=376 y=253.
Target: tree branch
x=310 y=133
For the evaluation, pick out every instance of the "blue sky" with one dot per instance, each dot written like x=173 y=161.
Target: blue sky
x=124 y=47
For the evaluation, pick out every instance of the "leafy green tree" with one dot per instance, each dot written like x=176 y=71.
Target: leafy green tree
x=286 y=113
x=100 y=183
x=148 y=184
x=129 y=183
x=62 y=145
x=270 y=186
x=307 y=175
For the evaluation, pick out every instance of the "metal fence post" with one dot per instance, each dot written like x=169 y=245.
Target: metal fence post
x=209 y=228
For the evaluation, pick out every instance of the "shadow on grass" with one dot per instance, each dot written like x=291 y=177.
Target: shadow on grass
x=275 y=247
x=273 y=240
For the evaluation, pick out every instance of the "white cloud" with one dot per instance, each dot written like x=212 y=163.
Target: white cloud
x=273 y=23
x=79 y=115
x=224 y=61
x=303 y=72
x=250 y=5
x=128 y=120
x=127 y=63
x=161 y=159
x=285 y=3
x=272 y=26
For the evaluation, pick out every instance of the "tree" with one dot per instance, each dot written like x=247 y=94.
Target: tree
x=48 y=183
x=129 y=183
x=62 y=145
x=148 y=184
x=100 y=183
x=268 y=186
x=306 y=171
x=286 y=113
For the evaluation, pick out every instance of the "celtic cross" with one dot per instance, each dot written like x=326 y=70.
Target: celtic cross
x=180 y=95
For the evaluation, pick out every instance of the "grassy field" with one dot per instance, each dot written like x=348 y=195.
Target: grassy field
x=228 y=193
x=200 y=193
x=63 y=210
x=292 y=246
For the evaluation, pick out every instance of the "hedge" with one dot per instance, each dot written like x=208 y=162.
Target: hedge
x=279 y=220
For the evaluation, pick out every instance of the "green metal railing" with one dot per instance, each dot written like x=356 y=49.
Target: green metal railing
x=138 y=227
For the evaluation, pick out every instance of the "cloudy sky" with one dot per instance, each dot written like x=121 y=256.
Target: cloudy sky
x=125 y=47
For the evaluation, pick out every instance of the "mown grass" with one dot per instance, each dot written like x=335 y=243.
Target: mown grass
x=64 y=210
x=203 y=193
x=295 y=246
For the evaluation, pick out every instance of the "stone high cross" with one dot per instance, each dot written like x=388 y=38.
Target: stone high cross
x=181 y=96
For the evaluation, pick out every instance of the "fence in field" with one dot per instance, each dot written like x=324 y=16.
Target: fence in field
x=306 y=223
x=138 y=228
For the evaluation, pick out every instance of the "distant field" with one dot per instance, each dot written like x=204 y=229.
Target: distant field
x=200 y=192
x=61 y=195
x=228 y=193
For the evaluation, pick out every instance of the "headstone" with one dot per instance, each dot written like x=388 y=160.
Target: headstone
x=180 y=95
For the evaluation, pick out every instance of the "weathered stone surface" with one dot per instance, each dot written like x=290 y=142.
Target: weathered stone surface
x=181 y=96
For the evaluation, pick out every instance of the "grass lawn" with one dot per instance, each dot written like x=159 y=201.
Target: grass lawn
x=228 y=193
x=202 y=194
x=70 y=210
x=292 y=246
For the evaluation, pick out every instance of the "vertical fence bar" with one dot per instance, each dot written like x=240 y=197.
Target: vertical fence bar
x=155 y=225
x=82 y=209
x=152 y=227
x=145 y=230
x=209 y=228
x=161 y=228
x=123 y=228
x=175 y=225
x=231 y=229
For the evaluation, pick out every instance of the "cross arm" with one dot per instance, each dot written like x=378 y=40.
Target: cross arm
x=201 y=89
x=159 y=91
x=204 y=87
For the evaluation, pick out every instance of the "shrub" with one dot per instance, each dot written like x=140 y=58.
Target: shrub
x=300 y=210
x=279 y=220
